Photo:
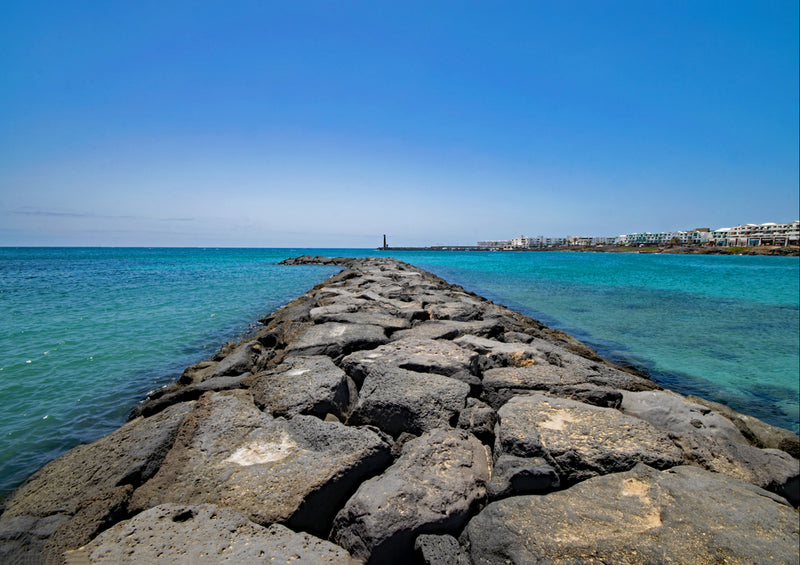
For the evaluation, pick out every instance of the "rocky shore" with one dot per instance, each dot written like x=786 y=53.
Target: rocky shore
x=387 y=416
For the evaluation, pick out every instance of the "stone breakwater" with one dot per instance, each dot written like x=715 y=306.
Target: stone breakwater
x=387 y=416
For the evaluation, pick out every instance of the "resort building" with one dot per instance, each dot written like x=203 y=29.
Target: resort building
x=747 y=235
x=751 y=235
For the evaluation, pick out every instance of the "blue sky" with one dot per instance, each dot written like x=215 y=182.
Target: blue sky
x=328 y=124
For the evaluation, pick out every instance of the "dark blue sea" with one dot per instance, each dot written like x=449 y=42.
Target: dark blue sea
x=85 y=333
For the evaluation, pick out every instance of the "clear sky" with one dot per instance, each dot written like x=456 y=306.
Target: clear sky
x=328 y=124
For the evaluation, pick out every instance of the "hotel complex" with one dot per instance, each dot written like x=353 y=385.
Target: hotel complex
x=747 y=235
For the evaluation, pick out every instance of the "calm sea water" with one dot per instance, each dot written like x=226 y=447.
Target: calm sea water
x=86 y=333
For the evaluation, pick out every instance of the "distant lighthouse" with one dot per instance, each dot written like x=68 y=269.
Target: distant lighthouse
x=384 y=242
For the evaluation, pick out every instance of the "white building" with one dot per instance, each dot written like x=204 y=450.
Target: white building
x=751 y=235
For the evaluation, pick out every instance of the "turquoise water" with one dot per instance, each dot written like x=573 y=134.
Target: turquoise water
x=86 y=333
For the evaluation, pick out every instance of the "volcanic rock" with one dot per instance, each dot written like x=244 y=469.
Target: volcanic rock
x=297 y=472
x=643 y=515
x=581 y=440
x=438 y=480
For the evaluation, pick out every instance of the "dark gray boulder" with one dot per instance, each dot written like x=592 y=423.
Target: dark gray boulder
x=455 y=306
x=176 y=393
x=683 y=515
x=335 y=339
x=549 y=368
x=421 y=355
x=397 y=400
x=304 y=385
x=771 y=469
x=204 y=534
x=450 y=329
x=495 y=353
x=581 y=440
x=24 y=539
x=298 y=472
x=479 y=419
x=387 y=321
x=512 y=476
x=440 y=550
x=433 y=487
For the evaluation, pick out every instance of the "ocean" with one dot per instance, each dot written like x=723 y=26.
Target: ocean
x=87 y=332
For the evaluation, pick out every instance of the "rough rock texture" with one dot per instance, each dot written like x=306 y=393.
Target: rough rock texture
x=130 y=455
x=759 y=433
x=432 y=488
x=297 y=472
x=440 y=550
x=560 y=373
x=715 y=443
x=421 y=355
x=334 y=339
x=514 y=475
x=672 y=412
x=71 y=499
x=683 y=515
x=451 y=329
x=173 y=394
x=383 y=409
x=398 y=400
x=479 y=419
x=204 y=533
x=304 y=385
x=581 y=440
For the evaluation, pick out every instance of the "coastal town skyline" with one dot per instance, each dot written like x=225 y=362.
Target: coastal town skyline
x=768 y=233
x=265 y=124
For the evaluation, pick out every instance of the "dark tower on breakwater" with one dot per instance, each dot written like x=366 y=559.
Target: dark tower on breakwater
x=384 y=242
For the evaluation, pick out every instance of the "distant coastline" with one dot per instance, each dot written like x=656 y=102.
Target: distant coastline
x=686 y=250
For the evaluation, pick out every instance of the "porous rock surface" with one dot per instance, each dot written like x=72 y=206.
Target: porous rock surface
x=204 y=534
x=387 y=416
x=682 y=515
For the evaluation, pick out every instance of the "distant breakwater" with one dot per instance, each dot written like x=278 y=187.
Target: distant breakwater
x=387 y=416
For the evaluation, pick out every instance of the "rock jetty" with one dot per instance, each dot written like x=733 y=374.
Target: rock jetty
x=387 y=416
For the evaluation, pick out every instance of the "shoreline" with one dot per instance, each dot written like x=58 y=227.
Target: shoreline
x=385 y=379
x=761 y=251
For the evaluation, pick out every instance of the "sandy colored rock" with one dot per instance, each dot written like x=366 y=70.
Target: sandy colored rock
x=682 y=515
